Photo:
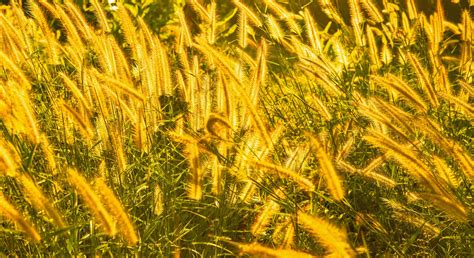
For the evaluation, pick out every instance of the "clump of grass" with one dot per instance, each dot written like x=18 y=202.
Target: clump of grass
x=243 y=127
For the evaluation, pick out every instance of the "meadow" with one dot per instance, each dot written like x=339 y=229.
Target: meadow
x=236 y=128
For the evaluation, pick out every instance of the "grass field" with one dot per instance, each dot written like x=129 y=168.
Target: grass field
x=237 y=128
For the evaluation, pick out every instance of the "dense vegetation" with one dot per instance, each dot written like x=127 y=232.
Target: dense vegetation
x=241 y=127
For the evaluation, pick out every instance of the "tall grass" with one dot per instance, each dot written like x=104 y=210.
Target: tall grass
x=249 y=129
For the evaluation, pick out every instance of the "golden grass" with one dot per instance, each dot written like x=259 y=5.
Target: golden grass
x=124 y=224
x=263 y=251
x=327 y=169
x=93 y=201
x=9 y=211
x=40 y=201
x=101 y=99
x=331 y=237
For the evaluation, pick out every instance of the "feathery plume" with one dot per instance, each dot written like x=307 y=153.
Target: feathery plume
x=467 y=108
x=76 y=92
x=185 y=34
x=9 y=211
x=158 y=200
x=262 y=251
x=384 y=180
x=356 y=20
x=40 y=201
x=140 y=133
x=334 y=183
x=195 y=183
x=406 y=158
x=373 y=49
x=372 y=10
x=331 y=11
x=200 y=10
x=274 y=28
x=412 y=10
x=424 y=79
x=116 y=209
x=119 y=85
x=83 y=123
x=331 y=237
x=92 y=200
x=312 y=32
x=269 y=209
x=248 y=13
x=212 y=23
x=304 y=183
x=391 y=81
x=284 y=233
x=406 y=215
x=243 y=30
x=9 y=159
x=216 y=125
x=445 y=172
x=102 y=19
x=450 y=205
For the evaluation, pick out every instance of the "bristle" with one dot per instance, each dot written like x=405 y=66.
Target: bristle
x=450 y=205
x=9 y=211
x=408 y=216
x=331 y=237
x=212 y=23
x=140 y=133
x=466 y=108
x=40 y=201
x=397 y=84
x=217 y=125
x=243 y=30
x=9 y=159
x=372 y=10
x=331 y=11
x=250 y=15
x=128 y=29
x=16 y=72
x=368 y=172
x=102 y=19
x=373 y=49
x=356 y=20
x=200 y=10
x=92 y=200
x=274 y=28
x=196 y=172
x=304 y=183
x=83 y=123
x=76 y=92
x=406 y=158
x=412 y=9
x=79 y=19
x=312 y=32
x=333 y=181
x=116 y=84
x=116 y=209
x=445 y=172
x=118 y=147
x=344 y=151
x=42 y=22
x=262 y=251
x=49 y=154
x=264 y=217
x=284 y=233
x=424 y=79
x=158 y=201
x=386 y=55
